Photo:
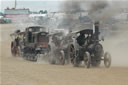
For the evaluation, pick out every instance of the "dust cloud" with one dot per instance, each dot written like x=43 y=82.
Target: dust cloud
x=117 y=45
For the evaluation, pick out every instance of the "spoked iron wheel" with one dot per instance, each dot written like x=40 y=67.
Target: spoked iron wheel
x=13 y=49
x=107 y=60
x=62 y=58
x=87 y=59
x=34 y=58
x=72 y=53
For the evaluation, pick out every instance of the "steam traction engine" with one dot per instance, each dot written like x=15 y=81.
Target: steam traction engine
x=34 y=41
x=58 y=55
x=88 y=48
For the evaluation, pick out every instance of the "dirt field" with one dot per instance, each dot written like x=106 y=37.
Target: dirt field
x=16 y=71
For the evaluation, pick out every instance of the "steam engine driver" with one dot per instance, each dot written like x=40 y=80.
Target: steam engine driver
x=81 y=39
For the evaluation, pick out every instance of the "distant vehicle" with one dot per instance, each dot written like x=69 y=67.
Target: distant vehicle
x=34 y=41
x=2 y=21
x=5 y=20
x=86 y=47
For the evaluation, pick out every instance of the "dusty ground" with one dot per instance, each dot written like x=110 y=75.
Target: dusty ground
x=16 y=71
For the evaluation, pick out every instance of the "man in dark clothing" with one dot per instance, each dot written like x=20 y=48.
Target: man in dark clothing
x=81 y=39
x=17 y=41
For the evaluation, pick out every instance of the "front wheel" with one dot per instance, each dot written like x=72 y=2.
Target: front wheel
x=87 y=59
x=62 y=58
x=13 y=49
x=107 y=60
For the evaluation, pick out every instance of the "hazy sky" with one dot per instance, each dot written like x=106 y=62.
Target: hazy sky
x=33 y=5
x=36 y=5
